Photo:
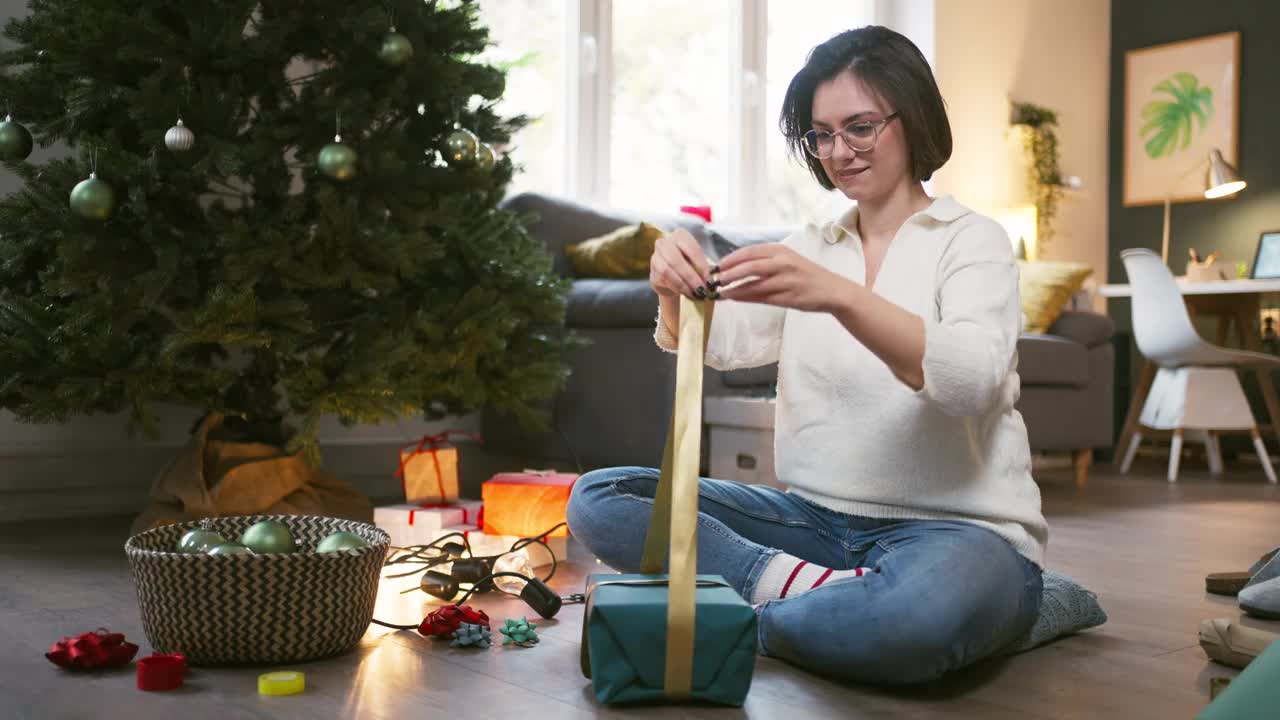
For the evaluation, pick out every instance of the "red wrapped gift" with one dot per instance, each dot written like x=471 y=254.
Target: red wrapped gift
x=526 y=504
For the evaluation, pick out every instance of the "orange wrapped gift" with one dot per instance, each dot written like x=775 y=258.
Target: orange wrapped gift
x=429 y=469
x=527 y=503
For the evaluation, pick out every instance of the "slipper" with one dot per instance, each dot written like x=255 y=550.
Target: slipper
x=1261 y=596
x=1231 y=583
x=1231 y=643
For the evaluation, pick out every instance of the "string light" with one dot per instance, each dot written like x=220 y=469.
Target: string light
x=444 y=566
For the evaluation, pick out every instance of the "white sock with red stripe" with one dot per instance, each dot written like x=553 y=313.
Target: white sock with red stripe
x=787 y=576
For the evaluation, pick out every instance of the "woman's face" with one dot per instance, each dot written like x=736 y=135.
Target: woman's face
x=860 y=175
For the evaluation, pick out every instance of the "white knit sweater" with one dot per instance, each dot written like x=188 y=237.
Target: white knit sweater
x=852 y=437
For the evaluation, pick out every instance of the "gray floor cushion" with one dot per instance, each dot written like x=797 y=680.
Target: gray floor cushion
x=1065 y=607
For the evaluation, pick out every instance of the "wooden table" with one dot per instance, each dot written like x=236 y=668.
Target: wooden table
x=1232 y=303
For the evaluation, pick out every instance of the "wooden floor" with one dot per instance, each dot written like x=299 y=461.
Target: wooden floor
x=1143 y=545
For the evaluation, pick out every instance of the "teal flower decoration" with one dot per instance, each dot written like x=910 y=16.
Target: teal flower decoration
x=519 y=632
x=468 y=635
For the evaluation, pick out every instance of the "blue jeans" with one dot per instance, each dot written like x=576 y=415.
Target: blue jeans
x=944 y=594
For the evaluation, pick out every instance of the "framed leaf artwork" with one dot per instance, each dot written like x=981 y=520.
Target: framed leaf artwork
x=1181 y=101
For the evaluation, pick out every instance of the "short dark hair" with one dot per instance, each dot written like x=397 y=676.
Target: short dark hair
x=892 y=66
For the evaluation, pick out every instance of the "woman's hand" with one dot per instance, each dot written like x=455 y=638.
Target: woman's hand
x=679 y=267
x=782 y=277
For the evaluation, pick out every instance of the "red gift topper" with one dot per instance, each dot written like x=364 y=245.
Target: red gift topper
x=442 y=622
x=434 y=441
x=92 y=651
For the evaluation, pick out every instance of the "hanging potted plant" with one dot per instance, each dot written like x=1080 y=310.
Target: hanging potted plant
x=1044 y=180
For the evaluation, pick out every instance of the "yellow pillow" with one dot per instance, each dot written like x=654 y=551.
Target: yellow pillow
x=1046 y=288
x=623 y=253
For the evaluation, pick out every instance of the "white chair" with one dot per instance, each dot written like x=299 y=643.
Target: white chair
x=1196 y=389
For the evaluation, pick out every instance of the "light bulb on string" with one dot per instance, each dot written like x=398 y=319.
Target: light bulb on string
x=513 y=562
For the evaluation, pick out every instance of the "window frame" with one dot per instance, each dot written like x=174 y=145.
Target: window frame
x=588 y=81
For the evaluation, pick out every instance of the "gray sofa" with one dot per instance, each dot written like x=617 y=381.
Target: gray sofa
x=615 y=408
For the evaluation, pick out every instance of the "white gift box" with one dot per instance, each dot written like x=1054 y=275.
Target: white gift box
x=409 y=524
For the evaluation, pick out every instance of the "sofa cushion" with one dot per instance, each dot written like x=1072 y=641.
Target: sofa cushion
x=1050 y=360
x=558 y=222
x=621 y=254
x=1046 y=288
x=763 y=375
x=1087 y=328
x=721 y=240
x=610 y=303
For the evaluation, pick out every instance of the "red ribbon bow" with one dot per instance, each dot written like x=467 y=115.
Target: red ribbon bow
x=442 y=622
x=434 y=441
x=92 y=651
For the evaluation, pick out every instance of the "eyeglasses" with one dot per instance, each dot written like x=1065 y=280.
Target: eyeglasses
x=859 y=136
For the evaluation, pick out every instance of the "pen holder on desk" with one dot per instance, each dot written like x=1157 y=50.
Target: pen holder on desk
x=1206 y=272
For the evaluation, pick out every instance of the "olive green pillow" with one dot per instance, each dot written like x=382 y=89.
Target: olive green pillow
x=1046 y=287
x=623 y=253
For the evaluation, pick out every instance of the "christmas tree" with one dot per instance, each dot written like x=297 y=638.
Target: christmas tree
x=273 y=211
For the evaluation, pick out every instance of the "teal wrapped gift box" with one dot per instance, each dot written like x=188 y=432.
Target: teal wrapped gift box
x=624 y=641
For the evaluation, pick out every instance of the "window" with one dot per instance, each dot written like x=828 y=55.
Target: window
x=652 y=104
x=668 y=139
x=795 y=27
x=527 y=37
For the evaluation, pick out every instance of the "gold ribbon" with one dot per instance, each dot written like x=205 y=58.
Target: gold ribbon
x=674 y=523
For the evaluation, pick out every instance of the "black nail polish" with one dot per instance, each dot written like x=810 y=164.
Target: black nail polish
x=715 y=269
x=715 y=295
x=700 y=292
x=715 y=283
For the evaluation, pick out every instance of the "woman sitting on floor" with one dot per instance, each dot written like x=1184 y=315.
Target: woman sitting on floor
x=910 y=540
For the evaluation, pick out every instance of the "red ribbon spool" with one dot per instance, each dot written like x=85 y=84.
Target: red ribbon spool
x=161 y=672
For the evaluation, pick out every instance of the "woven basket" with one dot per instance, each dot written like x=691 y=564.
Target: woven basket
x=239 y=609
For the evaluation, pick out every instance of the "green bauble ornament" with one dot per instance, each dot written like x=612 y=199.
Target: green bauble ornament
x=15 y=141
x=268 y=536
x=230 y=549
x=485 y=157
x=396 y=49
x=198 y=540
x=341 y=541
x=460 y=148
x=338 y=161
x=93 y=199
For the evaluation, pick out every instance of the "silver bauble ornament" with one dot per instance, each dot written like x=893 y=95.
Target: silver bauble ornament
x=485 y=157
x=179 y=138
x=460 y=148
